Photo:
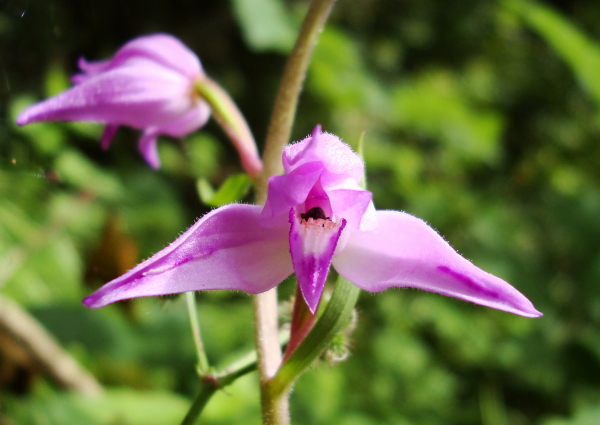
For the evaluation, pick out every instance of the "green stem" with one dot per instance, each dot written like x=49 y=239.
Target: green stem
x=334 y=318
x=210 y=384
x=284 y=111
x=229 y=117
x=207 y=389
x=203 y=366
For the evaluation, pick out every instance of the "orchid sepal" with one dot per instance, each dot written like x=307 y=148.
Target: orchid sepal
x=225 y=249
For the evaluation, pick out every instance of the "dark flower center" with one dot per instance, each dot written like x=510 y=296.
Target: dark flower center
x=316 y=213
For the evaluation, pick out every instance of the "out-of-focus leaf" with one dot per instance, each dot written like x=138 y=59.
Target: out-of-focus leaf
x=205 y=154
x=234 y=189
x=434 y=106
x=114 y=406
x=130 y=407
x=77 y=170
x=56 y=80
x=37 y=263
x=47 y=137
x=580 y=52
x=243 y=395
x=266 y=24
x=584 y=416
x=338 y=74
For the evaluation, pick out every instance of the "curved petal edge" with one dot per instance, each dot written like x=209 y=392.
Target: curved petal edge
x=225 y=249
x=406 y=252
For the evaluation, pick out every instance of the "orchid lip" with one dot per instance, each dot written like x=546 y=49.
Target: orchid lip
x=313 y=240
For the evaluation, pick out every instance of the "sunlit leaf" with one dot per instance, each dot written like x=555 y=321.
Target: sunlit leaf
x=266 y=24
x=234 y=189
x=578 y=50
x=76 y=169
x=433 y=105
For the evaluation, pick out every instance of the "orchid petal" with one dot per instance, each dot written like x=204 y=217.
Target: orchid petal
x=147 y=146
x=160 y=48
x=291 y=189
x=406 y=252
x=353 y=205
x=337 y=157
x=138 y=94
x=108 y=135
x=312 y=244
x=189 y=122
x=226 y=249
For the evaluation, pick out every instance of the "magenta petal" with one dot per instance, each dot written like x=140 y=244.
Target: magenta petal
x=107 y=135
x=138 y=94
x=406 y=252
x=191 y=121
x=290 y=190
x=149 y=149
x=352 y=204
x=225 y=249
x=161 y=48
x=337 y=157
x=312 y=244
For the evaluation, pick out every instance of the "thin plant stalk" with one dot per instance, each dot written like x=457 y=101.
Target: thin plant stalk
x=286 y=102
x=211 y=383
x=203 y=366
x=275 y=410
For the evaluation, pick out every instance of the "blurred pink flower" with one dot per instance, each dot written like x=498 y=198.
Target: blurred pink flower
x=316 y=215
x=148 y=85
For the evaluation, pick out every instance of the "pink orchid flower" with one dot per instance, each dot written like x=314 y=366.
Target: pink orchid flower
x=316 y=215
x=148 y=85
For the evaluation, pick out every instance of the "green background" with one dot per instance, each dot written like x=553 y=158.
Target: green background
x=481 y=117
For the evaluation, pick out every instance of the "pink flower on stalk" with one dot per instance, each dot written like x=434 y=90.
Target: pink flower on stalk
x=316 y=215
x=148 y=85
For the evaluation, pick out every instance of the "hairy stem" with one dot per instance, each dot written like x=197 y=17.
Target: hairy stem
x=291 y=85
x=275 y=409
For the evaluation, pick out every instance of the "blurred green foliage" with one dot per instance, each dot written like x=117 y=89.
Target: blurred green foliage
x=481 y=117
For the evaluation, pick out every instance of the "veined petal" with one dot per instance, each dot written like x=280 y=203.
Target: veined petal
x=289 y=190
x=312 y=244
x=406 y=252
x=225 y=249
x=138 y=94
x=163 y=49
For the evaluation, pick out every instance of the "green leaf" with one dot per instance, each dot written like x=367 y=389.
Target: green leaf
x=114 y=406
x=434 y=105
x=134 y=407
x=580 y=52
x=234 y=189
x=56 y=80
x=82 y=173
x=266 y=25
x=47 y=137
